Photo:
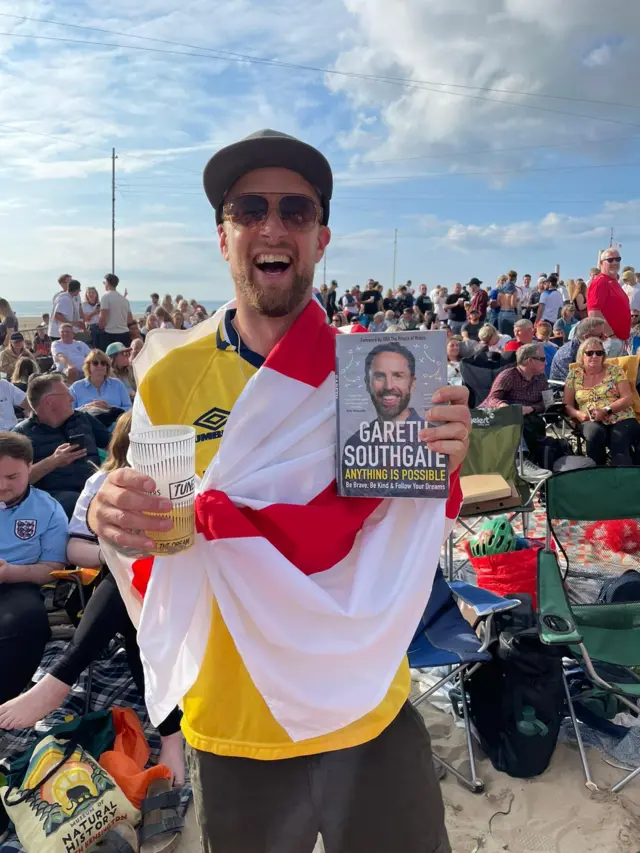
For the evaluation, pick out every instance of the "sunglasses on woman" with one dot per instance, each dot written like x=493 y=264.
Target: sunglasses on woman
x=98 y=363
x=593 y=352
x=297 y=212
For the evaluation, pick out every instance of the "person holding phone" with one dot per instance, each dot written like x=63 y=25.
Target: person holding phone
x=65 y=443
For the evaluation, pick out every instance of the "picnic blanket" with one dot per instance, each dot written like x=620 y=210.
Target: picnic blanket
x=112 y=685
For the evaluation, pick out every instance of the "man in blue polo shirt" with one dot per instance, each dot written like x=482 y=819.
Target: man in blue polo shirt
x=33 y=543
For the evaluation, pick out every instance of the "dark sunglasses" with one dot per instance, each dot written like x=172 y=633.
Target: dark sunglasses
x=613 y=260
x=593 y=352
x=297 y=212
x=98 y=363
x=538 y=358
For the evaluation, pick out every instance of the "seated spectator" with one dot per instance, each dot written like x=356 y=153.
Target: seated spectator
x=121 y=369
x=33 y=543
x=99 y=389
x=8 y=322
x=11 y=397
x=338 y=320
x=523 y=385
x=178 y=321
x=187 y=312
x=134 y=330
x=491 y=339
x=472 y=327
x=378 y=324
x=25 y=367
x=523 y=334
x=65 y=443
x=565 y=322
x=68 y=354
x=165 y=320
x=543 y=334
x=136 y=348
x=454 y=376
x=408 y=322
x=151 y=322
x=41 y=341
x=198 y=317
x=590 y=327
x=196 y=306
x=598 y=395
x=12 y=352
x=105 y=616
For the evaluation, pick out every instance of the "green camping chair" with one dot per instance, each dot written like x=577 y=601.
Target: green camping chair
x=494 y=458
x=599 y=636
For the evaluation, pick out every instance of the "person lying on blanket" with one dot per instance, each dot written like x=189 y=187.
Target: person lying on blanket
x=284 y=628
x=33 y=542
x=104 y=616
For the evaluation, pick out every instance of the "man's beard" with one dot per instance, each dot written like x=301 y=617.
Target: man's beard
x=274 y=303
x=386 y=414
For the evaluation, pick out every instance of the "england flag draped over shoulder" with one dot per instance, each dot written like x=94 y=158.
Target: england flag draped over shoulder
x=321 y=594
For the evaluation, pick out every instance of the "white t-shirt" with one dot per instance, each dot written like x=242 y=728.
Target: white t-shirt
x=524 y=296
x=118 y=308
x=87 y=309
x=553 y=302
x=78 y=524
x=75 y=352
x=62 y=304
x=10 y=396
x=634 y=296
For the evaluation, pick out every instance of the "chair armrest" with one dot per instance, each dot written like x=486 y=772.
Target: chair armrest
x=556 y=624
x=481 y=600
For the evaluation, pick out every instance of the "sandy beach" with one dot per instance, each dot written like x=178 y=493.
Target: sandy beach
x=553 y=813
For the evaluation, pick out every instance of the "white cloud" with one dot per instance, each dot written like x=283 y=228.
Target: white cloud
x=599 y=56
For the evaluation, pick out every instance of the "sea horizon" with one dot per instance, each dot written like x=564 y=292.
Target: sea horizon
x=36 y=307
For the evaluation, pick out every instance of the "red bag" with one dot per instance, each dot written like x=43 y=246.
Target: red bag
x=510 y=573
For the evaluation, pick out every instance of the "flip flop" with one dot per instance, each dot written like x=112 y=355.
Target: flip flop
x=121 y=838
x=161 y=822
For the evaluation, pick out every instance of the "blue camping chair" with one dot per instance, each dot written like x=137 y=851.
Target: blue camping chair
x=445 y=638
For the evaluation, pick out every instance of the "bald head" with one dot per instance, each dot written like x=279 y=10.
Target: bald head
x=610 y=262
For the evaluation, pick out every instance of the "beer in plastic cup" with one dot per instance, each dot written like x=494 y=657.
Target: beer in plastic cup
x=167 y=454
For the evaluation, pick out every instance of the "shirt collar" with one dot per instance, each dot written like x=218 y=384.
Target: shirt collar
x=228 y=338
x=18 y=502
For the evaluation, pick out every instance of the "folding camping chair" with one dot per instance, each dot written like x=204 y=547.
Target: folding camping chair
x=491 y=475
x=445 y=639
x=603 y=638
x=480 y=369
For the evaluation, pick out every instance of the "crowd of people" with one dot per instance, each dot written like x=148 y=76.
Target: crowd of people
x=65 y=415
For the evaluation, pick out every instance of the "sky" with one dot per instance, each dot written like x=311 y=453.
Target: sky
x=489 y=135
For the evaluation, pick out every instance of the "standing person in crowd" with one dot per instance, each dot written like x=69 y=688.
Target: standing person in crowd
x=389 y=301
x=399 y=806
x=115 y=314
x=631 y=287
x=331 y=299
x=423 y=301
x=167 y=303
x=63 y=284
x=578 y=297
x=11 y=397
x=65 y=443
x=404 y=298
x=91 y=313
x=196 y=306
x=155 y=301
x=8 y=322
x=11 y=353
x=41 y=342
x=550 y=301
x=593 y=272
x=25 y=367
x=523 y=385
x=456 y=310
x=590 y=327
x=370 y=303
x=104 y=616
x=99 y=389
x=563 y=291
x=67 y=308
x=33 y=542
x=494 y=307
x=68 y=354
x=479 y=299
x=565 y=322
x=323 y=291
x=598 y=395
x=187 y=313
x=606 y=299
x=523 y=335
x=507 y=304
x=524 y=296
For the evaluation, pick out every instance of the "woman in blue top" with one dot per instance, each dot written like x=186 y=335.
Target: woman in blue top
x=566 y=322
x=99 y=389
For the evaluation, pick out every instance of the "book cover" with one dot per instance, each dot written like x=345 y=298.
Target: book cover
x=384 y=385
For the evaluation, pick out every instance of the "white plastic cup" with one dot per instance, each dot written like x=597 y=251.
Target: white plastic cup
x=167 y=454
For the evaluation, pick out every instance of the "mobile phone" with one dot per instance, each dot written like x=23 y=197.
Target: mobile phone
x=78 y=439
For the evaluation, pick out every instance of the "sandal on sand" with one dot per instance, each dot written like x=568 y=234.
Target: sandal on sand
x=161 y=823
x=121 y=838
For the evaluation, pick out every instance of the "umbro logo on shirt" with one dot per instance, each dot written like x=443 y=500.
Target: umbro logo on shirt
x=214 y=421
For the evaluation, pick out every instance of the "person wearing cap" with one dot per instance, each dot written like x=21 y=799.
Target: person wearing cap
x=11 y=353
x=607 y=299
x=121 y=369
x=371 y=784
x=479 y=299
